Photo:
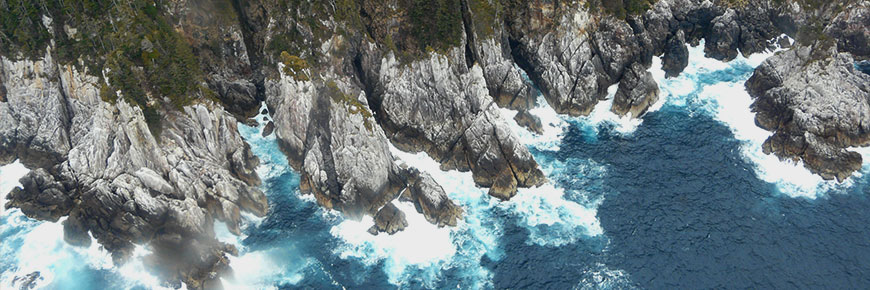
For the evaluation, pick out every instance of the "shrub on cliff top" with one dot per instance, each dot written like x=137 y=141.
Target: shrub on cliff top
x=143 y=53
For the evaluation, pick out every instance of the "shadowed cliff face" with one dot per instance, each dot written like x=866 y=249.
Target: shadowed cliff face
x=134 y=147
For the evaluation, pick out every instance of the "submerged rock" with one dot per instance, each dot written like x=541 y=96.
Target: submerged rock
x=27 y=282
x=529 y=121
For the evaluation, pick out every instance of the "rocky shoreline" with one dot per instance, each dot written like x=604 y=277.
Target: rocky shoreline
x=345 y=80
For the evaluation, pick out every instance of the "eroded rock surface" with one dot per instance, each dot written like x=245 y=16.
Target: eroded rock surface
x=345 y=80
x=817 y=109
x=98 y=165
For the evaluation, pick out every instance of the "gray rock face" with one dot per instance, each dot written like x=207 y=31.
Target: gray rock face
x=330 y=137
x=676 y=55
x=389 y=220
x=636 y=92
x=327 y=129
x=816 y=107
x=565 y=63
x=99 y=165
x=430 y=200
x=452 y=118
x=850 y=30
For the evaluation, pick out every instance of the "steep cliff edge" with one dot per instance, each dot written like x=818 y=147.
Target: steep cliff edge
x=129 y=125
x=814 y=98
x=98 y=164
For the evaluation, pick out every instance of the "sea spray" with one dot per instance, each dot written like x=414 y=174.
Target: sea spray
x=716 y=88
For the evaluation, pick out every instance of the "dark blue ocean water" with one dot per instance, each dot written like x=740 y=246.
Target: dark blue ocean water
x=674 y=203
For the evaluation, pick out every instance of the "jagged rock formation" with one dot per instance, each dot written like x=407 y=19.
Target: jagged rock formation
x=389 y=220
x=815 y=100
x=343 y=80
x=817 y=109
x=99 y=165
x=453 y=119
x=324 y=124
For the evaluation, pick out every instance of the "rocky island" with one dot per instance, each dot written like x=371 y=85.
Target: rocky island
x=127 y=111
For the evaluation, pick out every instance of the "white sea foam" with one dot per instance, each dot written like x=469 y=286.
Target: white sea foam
x=41 y=248
x=273 y=162
x=421 y=245
x=267 y=269
x=30 y=246
x=551 y=219
x=423 y=251
x=9 y=176
x=551 y=122
x=601 y=115
x=729 y=103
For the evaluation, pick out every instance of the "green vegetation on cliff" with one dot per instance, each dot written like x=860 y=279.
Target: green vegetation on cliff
x=621 y=8
x=146 y=58
x=485 y=15
x=436 y=24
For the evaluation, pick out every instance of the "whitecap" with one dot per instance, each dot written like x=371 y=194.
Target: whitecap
x=267 y=269
x=40 y=247
x=602 y=115
x=9 y=176
x=423 y=252
x=729 y=103
x=602 y=277
x=553 y=125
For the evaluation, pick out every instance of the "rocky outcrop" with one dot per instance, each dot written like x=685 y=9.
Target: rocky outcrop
x=452 y=118
x=345 y=80
x=529 y=121
x=430 y=200
x=676 y=56
x=574 y=55
x=557 y=50
x=850 y=31
x=268 y=129
x=389 y=220
x=816 y=107
x=98 y=165
x=327 y=129
x=636 y=93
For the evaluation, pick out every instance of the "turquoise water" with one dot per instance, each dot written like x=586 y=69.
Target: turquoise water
x=682 y=198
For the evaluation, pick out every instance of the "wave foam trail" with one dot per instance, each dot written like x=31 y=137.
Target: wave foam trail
x=700 y=89
x=33 y=246
x=421 y=245
x=553 y=126
x=9 y=176
x=423 y=252
x=260 y=269
x=601 y=115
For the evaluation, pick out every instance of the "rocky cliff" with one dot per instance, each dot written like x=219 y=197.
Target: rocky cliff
x=130 y=125
x=98 y=165
x=814 y=98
